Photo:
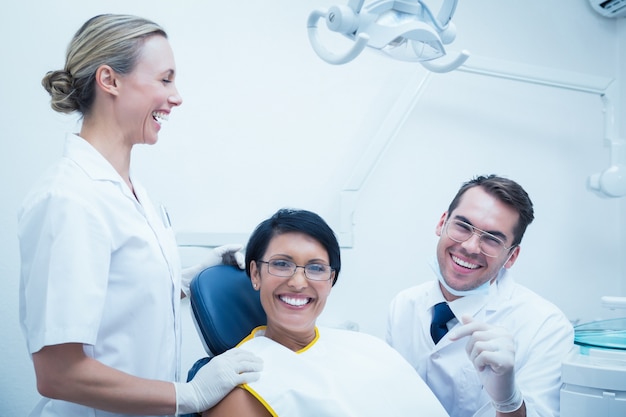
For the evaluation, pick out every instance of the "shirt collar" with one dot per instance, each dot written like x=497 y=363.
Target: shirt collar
x=469 y=305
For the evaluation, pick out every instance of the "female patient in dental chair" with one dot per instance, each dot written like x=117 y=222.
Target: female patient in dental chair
x=293 y=259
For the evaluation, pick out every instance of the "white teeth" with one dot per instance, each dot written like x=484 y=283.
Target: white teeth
x=297 y=302
x=160 y=117
x=463 y=263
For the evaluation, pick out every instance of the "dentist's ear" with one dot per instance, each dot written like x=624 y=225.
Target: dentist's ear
x=106 y=79
x=512 y=257
x=441 y=223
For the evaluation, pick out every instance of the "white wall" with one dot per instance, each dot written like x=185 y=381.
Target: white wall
x=266 y=123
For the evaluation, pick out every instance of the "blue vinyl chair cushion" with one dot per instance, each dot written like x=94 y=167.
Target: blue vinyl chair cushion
x=225 y=307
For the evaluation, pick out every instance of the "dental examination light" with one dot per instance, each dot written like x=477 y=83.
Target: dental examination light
x=406 y=30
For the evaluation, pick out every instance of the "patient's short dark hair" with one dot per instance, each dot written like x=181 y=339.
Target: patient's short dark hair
x=293 y=220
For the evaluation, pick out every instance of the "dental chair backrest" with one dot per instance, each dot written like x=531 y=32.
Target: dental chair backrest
x=225 y=307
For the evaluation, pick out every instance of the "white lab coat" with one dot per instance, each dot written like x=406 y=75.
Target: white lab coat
x=98 y=268
x=339 y=374
x=542 y=334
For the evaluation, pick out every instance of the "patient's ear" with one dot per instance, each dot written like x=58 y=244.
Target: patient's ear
x=255 y=277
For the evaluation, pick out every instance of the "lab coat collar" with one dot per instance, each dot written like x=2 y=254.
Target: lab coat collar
x=89 y=159
x=468 y=305
x=95 y=165
x=471 y=305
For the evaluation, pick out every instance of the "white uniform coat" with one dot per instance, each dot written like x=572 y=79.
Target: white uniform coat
x=340 y=374
x=542 y=334
x=99 y=267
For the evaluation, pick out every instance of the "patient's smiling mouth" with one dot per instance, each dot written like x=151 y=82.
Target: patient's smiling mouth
x=295 y=301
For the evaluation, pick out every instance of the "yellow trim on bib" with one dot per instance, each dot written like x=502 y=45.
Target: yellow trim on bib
x=259 y=399
x=260 y=328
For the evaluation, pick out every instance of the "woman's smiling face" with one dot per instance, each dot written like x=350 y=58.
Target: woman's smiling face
x=148 y=94
x=292 y=304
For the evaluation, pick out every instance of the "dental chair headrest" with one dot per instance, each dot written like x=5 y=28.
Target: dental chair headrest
x=225 y=307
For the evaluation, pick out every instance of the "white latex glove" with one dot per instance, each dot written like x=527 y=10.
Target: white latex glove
x=216 y=379
x=227 y=255
x=492 y=351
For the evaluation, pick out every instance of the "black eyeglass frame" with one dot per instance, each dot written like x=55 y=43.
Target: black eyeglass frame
x=295 y=268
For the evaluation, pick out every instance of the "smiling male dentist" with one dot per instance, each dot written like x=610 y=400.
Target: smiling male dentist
x=502 y=355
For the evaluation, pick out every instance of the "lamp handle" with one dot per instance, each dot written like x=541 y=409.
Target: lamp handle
x=446 y=67
x=325 y=54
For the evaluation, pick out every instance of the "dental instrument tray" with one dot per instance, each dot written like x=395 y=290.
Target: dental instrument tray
x=603 y=334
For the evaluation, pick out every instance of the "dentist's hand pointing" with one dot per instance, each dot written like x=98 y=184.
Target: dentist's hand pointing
x=492 y=351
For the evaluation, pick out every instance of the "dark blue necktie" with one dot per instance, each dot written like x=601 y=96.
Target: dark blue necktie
x=441 y=316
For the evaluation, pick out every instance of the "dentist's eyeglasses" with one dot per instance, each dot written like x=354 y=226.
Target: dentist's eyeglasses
x=287 y=269
x=489 y=244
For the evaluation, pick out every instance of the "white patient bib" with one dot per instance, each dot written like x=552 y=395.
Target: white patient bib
x=341 y=373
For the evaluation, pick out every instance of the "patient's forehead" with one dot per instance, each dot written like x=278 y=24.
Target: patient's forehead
x=296 y=244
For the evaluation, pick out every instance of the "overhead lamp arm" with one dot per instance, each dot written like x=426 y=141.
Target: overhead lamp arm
x=612 y=181
x=441 y=67
x=417 y=35
x=330 y=57
x=445 y=14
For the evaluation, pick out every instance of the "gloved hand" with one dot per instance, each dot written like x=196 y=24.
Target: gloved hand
x=216 y=379
x=492 y=351
x=227 y=255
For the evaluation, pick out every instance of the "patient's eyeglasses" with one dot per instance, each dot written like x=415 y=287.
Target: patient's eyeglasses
x=287 y=269
x=488 y=244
